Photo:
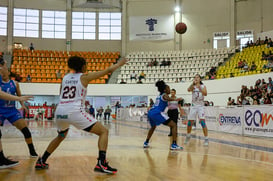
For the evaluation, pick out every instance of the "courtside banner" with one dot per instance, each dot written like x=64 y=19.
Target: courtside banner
x=151 y=27
x=258 y=121
x=210 y=118
x=230 y=120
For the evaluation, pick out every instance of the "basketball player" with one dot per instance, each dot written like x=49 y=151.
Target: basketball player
x=198 y=90
x=71 y=111
x=173 y=107
x=8 y=110
x=5 y=162
x=156 y=115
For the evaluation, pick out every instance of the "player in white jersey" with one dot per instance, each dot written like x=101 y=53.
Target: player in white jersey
x=198 y=90
x=71 y=111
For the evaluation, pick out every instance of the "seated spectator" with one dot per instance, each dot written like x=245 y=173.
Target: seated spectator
x=266 y=40
x=259 y=42
x=253 y=66
x=176 y=80
x=163 y=63
x=142 y=75
x=245 y=66
x=28 y=78
x=231 y=75
x=268 y=65
x=122 y=81
x=58 y=74
x=240 y=64
x=107 y=113
x=270 y=43
x=31 y=47
x=133 y=75
x=168 y=62
x=229 y=103
x=139 y=82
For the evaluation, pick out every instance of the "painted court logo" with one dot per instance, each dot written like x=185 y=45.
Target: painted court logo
x=229 y=120
x=151 y=23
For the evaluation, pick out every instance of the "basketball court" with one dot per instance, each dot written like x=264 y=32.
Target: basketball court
x=228 y=157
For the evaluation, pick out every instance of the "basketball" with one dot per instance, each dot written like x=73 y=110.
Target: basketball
x=181 y=28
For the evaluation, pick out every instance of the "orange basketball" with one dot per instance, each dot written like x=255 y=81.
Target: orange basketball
x=181 y=28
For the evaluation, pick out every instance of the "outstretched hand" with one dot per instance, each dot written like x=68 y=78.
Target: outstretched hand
x=25 y=98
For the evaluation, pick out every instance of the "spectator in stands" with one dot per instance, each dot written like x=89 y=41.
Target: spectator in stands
x=31 y=47
x=231 y=75
x=107 y=113
x=139 y=82
x=266 y=40
x=252 y=92
x=245 y=68
x=168 y=62
x=58 y=74
x=122 y=81
x=163 y=63
x=270 y=43
x=141 y=76
x=92 y=111
x=258 y=92
x=259 y=42
x=268 y=65
x=270 y=80
x=176 y=80
x=211 y=103
x=256 y=102
x=240 y=64
x=253 y=66
x=267 y=99
x=28 y=78
x=133 y=75
x=258 y=83
x=229 y=103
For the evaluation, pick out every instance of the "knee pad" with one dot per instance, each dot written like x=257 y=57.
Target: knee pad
x=62 y=133
x=26 y=132
x=203 y=123
x=189 y=123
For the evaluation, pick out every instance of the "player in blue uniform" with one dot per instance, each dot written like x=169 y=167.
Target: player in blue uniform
x=8 y=110
x=156 y=115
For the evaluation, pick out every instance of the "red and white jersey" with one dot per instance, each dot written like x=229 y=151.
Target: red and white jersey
x=73 y=93
x=197 y=96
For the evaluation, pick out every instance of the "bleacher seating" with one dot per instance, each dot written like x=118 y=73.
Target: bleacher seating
x=184 y=64
x=250 y=54
x=42 y=65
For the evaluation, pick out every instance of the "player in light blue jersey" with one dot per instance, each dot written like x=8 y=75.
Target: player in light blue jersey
x=156 y=115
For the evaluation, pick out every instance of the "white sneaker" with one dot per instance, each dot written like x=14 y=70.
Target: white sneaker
x=206 y=142
x=187 y=139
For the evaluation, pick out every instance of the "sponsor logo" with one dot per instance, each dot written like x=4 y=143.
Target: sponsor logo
x=62 y=116
x=257 y=118
x=256 y=121
x=229 y=120
x=151 y=23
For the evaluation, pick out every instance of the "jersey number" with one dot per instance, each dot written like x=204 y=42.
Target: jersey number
x=69 y=92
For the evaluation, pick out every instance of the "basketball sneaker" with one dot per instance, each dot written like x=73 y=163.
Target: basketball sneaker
x=102 y=166
x=146 y=145
x=7 y=163
x=206 y=142
x=33 y=154
x=187 y=139
x=176 y=147
x=40 y=164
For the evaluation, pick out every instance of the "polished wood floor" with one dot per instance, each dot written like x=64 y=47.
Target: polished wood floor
x=228 y=157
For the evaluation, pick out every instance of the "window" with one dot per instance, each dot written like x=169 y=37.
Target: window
x=243 y=37
x=221 y=40
x=54 y=24
x=26 y=23
x=84 y=25
x=109 y=26
x=3 y=20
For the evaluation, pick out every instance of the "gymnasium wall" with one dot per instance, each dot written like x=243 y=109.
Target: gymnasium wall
x=218 y=90
x=202 y=17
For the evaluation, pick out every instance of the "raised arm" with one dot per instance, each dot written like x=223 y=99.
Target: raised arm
x=86 y=78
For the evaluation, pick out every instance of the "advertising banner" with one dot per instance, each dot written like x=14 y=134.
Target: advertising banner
x=230 y=120
x=151 y=27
